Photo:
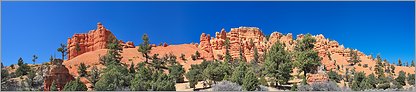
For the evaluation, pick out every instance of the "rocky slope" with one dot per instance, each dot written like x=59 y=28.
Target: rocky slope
x=333 y=54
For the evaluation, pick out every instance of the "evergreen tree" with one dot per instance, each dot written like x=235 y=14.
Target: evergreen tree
x=256 y=53
x=94 y=75
x=192 y=76
x=399 y=62
x=131 y=69
x=77 y=47
x=250 y=82
x=176 y=72
x=263 y=81
x=359 y=82
x=354 y=57
x=278 y=64
x=163 y=83
x=183 y=57
x=239 y=74
x=113 y=54
x=379 y=67
x=401 y=79
x=197 y=54
x=112 y=79
x=20 y=61
x=63 y=50
x=334 y=76
x=372 y=80
x=411 y=79
x=145 y=47
x=34 y=58
x=227 y=56
x=307 y=60
x=413 y=64
x=53 y=86
x=142 y=79
x=82 y=70
x=392 y=67
x=23 y=68
x=213 y=72
x=75 y=85
x=242 y=58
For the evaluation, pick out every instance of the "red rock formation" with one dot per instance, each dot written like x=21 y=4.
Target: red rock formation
x=206 y=46
x=91 y=41
x=320 y=77
x=128 y=44
x=59 y=74
x=239 y=38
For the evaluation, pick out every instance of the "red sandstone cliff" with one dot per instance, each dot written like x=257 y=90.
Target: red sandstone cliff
x=91 y=41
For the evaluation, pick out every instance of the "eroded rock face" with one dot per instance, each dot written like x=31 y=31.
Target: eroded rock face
x=59 y=74
x=319 y=77
x=91 y=41
x=240 y=38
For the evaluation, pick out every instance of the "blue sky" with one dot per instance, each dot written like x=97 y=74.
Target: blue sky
x=30 y=28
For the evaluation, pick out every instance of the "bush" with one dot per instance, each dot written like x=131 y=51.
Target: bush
x=320 y=86
x=365 y=65
x=226 y=86
x=359 y=64
x=334 y=76
x=383 y=86
x=193 y=57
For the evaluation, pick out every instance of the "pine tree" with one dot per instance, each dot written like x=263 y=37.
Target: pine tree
x=379 y=67
x=77 y=47
x=357 y=84
x=307 y=60
x=239 y=74
x=399 y=62
x=145 y=47
x=113 y=77
x=354 y=57
x=256 y=53
x=278 y=64
x=94 y=75
x=176 y=72
x=75 y=85
x=401 y=79
x=411 y=79
x=183 y=57
x=142 y=79
x=131 y=69
x=63 y=50
x=192 y=76
x=334 y=76
x=242 y=58
x=23 y=68
x=227 y=56
x=250 y=82
x=372 y=80
x=82 y=70
x=34 y=58
x=113 y=53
